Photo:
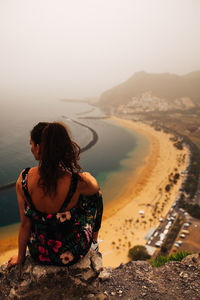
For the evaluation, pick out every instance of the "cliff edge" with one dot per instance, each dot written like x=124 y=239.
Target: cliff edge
x=89 y=280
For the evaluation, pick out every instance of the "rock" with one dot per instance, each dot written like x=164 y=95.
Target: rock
x=89 y=275
x=104 y=275
x=193 y=260
x=38 y=272
x=97 y=262
x=100 y=296
x=183 y=275
x=138 y=280
x=25 y=283
x=87 y=280
x=34 y=281
x=90 y=296
x=12 y=294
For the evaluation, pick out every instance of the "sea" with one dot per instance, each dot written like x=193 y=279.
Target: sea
x=117 y=148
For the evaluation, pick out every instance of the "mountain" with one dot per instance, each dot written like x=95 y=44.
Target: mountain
x=164 y=85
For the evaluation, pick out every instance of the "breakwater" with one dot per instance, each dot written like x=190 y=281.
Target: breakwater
x=94 y=136
x=87 y=147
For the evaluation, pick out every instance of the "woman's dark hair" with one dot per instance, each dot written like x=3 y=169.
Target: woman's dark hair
x=58 y=154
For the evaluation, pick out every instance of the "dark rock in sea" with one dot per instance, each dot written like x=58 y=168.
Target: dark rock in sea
x=88 y=280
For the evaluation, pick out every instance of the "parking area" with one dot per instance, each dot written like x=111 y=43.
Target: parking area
x=164 y=228
x=188 y=238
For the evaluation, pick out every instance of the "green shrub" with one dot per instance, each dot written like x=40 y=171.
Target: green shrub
x=167 y=188
x=161 y=260
x=138 y=253
x=176 y=176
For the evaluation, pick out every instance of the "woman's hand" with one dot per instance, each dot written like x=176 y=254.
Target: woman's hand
x=13 y=261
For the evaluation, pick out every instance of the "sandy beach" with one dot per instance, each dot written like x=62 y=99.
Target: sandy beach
x=122 y=226
x=8 y=242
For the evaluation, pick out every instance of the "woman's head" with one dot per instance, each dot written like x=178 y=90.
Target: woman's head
x=56 y=152
x=35 y=138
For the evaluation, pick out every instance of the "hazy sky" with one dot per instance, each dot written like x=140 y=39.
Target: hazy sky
x=79 y=48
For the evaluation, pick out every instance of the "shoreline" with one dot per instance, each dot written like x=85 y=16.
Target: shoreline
x=139 y=176
x=120 y=229
x=8 y=237
x=123 y=227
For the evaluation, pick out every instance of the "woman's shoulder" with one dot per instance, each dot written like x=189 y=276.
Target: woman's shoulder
x=20 y=179
x=24 y=172
x=88 y=185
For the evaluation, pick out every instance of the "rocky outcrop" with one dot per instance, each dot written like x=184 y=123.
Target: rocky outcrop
x=139 y=280
x=88 y=280
x=33 y=281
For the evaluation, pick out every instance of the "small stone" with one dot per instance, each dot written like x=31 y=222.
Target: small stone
x=106 y=293
x=3 y=267
x=120 y=292
x=12 y=293
x=25 y=283
x=28 y=269
x=84 y=263
x=90 y=296
x=100 y=297
x=144 y=287
x=39 y=272
x=194 y=259
x=88 y=275
x=96 y=260
x=183 y=275
x=113 y=293
x=104 y=275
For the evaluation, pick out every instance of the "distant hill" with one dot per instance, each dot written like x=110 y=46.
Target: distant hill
x=164 y=85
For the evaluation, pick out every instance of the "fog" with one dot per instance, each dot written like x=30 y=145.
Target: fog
x=55 y=49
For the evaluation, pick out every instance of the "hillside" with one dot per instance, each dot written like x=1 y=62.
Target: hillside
x=164 y=85
x=87 y=279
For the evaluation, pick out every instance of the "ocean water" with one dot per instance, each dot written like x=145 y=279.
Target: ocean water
x=111 y=154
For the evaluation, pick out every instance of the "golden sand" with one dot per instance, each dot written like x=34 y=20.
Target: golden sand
x=8 y=242
x=122 y=226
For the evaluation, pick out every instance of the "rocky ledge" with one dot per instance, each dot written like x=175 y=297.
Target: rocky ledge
x=89 y=280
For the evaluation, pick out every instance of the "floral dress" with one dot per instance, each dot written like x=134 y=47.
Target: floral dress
x=64 y=237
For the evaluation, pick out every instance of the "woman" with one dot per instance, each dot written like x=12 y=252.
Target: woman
x=60 y=208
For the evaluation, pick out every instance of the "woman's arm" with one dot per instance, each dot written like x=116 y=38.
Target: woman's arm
x=24 y=230
x=88 y=184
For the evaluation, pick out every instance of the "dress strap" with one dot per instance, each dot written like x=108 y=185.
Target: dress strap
x=72 y=190
x=25 y=185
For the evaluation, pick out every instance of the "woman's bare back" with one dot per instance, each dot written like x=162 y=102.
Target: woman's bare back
x=52 y=204
x=43 y=202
